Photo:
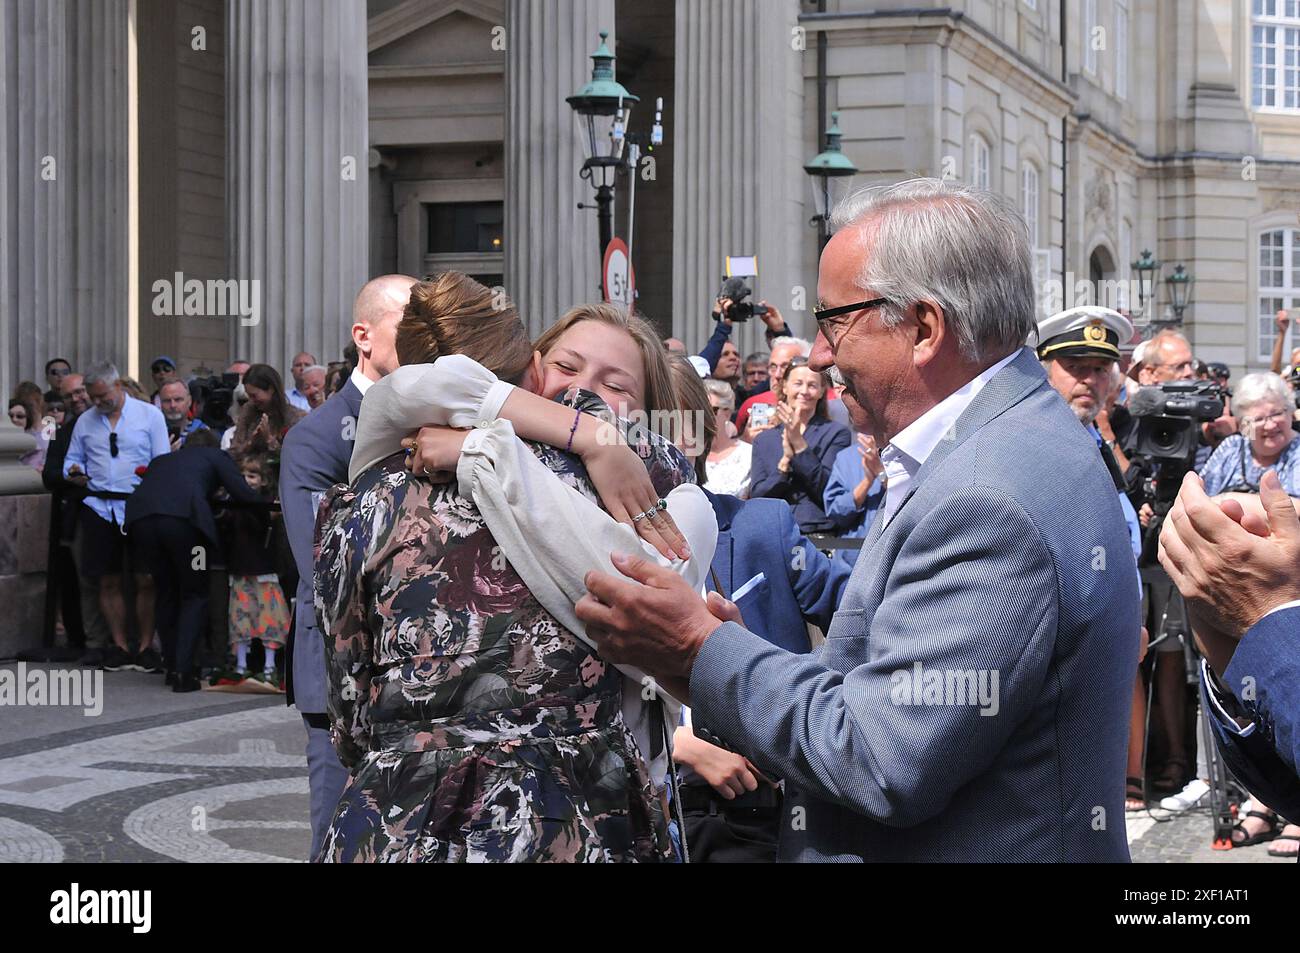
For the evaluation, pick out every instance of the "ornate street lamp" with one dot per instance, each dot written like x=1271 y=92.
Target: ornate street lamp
x=603 y=107
x=1148 y=272
x=1180 y=291
x=829 y=173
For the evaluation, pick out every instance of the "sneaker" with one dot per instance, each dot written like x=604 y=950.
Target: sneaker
x=149 y=661
x=271 y=678
x=1189 y=797
x=94 y=658
x=116 y=659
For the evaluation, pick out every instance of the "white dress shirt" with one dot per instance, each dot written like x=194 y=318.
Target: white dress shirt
x=361 y=380
x=298 y=399
x=907 y=452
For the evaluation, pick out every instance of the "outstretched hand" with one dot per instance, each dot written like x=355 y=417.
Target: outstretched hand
x=648 y=617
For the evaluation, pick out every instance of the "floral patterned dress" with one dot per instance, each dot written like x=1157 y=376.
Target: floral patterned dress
x=475 y=727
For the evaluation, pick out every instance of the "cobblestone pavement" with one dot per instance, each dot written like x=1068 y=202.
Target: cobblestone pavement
x=216 y=777
x=156 y=777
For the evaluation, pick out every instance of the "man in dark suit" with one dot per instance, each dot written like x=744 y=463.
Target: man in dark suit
x=780 y=583
x=971 y=702
x=1237 y=569
x=315 y=457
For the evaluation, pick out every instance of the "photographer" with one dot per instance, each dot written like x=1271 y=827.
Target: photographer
x=726 y=311
x=1162 y=434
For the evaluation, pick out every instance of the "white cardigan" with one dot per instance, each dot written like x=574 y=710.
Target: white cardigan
x=551 y=534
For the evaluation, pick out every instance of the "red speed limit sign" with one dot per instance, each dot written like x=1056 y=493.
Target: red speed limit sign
x=617 y=278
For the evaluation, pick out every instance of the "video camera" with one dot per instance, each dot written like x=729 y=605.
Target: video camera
x=1169 y=419
x=738 y=291
x=1162 y=447
x=215 y=394
x=738 y=268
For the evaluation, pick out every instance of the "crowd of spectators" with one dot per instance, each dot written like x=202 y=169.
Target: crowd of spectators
x=142 y=548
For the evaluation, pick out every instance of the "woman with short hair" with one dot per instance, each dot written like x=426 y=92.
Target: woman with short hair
x=729 y=458
x=1264 y=408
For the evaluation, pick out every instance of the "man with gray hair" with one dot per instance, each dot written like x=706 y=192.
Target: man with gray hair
x=971 y=702
x=784 y=350
x=110 y=441
x=313 y=385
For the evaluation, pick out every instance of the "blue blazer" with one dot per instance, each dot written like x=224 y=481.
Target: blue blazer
x=181 y=484
x=851 y=521
x=805 y=485
x=971 y=701
x=1267 y=758
x=314 y=457
x=785 y=580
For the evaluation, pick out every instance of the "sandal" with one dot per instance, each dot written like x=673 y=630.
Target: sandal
x=1250 y=840
x=1134 y=799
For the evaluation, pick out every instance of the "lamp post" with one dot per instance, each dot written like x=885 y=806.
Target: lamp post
x=826 y=171
x=1148 y=272
x=1180 y=291
x=603 y=107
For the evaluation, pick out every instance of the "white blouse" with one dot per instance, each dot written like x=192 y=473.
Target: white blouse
x=551 y=534
x=730 y=475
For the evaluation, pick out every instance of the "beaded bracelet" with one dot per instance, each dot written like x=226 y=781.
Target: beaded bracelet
x=572 y=430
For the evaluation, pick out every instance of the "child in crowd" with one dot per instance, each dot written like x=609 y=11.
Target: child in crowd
x=258 y=609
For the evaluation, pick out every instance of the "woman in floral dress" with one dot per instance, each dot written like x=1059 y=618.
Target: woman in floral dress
x=475 y=726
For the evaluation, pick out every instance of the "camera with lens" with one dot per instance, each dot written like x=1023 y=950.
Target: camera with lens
x=215 y=394
x=738 y=292
x=1162 y=446
x=1169 y=418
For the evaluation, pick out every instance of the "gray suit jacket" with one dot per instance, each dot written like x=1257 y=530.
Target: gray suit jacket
x=314 y=457
x=1008 y=560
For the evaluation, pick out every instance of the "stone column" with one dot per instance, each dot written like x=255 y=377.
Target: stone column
x=95 y=325
x=551 y=258
x=36 y=174
x=739 y=152
x=296 y=186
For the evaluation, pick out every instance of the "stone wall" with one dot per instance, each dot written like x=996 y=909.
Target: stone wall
x=24 y=542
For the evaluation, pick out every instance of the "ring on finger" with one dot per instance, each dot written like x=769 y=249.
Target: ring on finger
x=640 y=516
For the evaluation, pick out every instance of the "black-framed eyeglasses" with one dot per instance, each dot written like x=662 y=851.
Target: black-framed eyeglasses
x=825 y=325
x=112 y=443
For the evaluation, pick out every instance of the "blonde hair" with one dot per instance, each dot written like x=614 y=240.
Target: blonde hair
x=659 y=392
x=454 y=314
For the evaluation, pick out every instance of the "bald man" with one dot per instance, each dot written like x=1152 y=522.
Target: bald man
x=314 y=457
x=297 y=396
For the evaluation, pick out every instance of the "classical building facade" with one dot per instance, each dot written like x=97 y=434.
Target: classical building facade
x=158 y=151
